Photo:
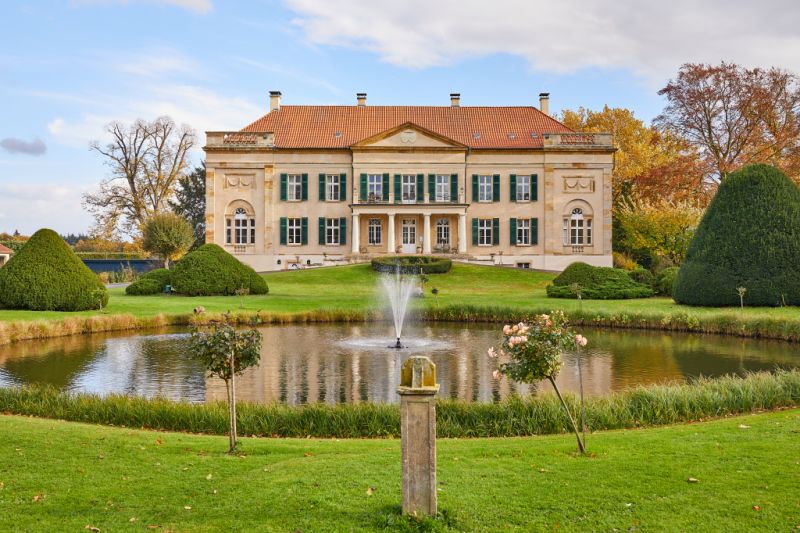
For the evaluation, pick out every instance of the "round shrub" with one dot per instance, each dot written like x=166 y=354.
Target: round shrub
x=152 y=282
x=597 y=283
x=210 y=271
x=46 y=275
x=665 y=283
x=643 y=276
x=749 y=237
x=412 y=264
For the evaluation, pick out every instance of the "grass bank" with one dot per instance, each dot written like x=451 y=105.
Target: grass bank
x=121 y=479
x=535 y=415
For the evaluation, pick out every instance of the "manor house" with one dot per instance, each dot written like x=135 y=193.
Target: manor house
x=312 y=185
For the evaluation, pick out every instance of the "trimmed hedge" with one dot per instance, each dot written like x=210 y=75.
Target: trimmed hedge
x=152 y=282
x=597 y=283
x=46 y=275
x=665 y=283
x=412 y=264
x=643 y=276
x=211 y=271
x=121 y=256
x=749 y=237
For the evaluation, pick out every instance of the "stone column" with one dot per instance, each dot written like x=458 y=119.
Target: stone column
x=426 y=233
x=390 y=235
x=462 y=233
x=355 y=234
x=417 y=392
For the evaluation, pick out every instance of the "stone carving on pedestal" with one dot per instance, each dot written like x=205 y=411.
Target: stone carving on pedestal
x=578 y=184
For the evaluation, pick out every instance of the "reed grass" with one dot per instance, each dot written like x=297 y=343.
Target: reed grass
x=537 y=415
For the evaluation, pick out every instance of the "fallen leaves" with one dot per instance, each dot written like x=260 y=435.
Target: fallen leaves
x=38 y=497
x=209 y=477
x=371 y=491
x=756 y=508
x=92 y=528
x=693 y=480
x=742 y=426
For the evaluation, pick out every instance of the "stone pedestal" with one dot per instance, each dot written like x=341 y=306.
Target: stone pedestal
x=417 y=392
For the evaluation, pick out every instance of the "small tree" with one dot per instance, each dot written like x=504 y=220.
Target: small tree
x=167 y=235
x=226 y=353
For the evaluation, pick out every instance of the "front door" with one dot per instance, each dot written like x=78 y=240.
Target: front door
x=409 y=236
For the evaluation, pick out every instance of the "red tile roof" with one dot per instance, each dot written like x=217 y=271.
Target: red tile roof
x=477 y=127
x=5 y=250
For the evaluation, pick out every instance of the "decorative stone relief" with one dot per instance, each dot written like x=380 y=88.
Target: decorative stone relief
x=239 y=181
x=408 y=137
x=578 y=184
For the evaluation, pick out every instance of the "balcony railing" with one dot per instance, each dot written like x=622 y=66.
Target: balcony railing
x=578 y=140
x=239 y=139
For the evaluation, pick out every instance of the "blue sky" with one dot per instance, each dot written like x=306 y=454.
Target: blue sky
x=68 y=67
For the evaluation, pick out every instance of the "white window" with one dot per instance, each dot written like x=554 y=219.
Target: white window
x=241 y=229
x=332 y=187
x=442 y=188
x=332 y=231
x=375 y=187
x=577 y=229
x=375 y=230
x=485 y=188
x=409 y=188
x=294 y=187
x=485 y=231
x=523 y=231
x=442 y=232
x=523 y=188
x=294 y=231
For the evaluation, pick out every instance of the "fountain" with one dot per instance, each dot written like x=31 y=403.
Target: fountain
x=398 y=288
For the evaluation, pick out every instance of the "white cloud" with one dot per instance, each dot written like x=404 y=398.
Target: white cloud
x=28 y=207
x=198 y=6
x=154 y=62
x=650 y=38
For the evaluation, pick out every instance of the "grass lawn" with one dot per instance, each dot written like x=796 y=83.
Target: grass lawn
x=62 y=476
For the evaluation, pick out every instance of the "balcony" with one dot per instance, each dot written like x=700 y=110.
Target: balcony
x=572 y=141
x=237 y=140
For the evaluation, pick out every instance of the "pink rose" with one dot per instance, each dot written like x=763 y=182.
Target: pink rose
x=492 y=353
x=581 y=340
x=496 y=374
x=506 y=330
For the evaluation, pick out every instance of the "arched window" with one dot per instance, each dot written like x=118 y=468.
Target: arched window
x=442 y=232
x=240 y=227
x=577 y=228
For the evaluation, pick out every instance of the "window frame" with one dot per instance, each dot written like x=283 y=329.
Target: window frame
x=408 y=188
x=442 y=228
x=523 y=232
x=332 y=232
x=374 y=189
x=374 y=229
x=332 y=184
x=577 y=229
x=294 y=187
x=442 y=189
x=523 y=183
x=485 y=228
x=240 y=228
x=290 y=236
x=485 y=188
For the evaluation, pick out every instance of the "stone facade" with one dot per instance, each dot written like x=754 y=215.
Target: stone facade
x=421 y=190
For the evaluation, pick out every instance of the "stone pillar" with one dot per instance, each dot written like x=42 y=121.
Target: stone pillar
x=355 y=234
x=417 y=392
x=426 y=233
x=390 y=235
x=462 y=233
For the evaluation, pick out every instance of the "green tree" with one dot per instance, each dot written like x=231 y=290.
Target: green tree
x=663 y=228
x=167 y=235
x=190 y=201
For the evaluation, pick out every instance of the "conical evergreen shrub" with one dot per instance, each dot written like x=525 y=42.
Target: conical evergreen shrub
x=210 y=271
x=749 y=237
x=46 y=275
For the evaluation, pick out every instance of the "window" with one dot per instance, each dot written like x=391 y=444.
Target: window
x=485 y=188
x=442 y=188
x=577 y=229
x=523 y=188
x=294 y=231
x=332 y=229
x=332 y=187
x=294 y=187
x=241 y=228
x=409 y=188
x=523 y=265
x=375 y=187
x=523 y=232
x=485 y=231
x=374 y=231
x=442 y=232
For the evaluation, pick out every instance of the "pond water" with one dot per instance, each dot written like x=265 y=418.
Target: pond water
x=343 y=363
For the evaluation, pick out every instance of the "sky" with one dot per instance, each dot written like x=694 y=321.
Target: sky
x=69 y=67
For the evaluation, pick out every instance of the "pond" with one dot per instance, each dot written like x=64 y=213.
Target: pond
x=343 y=363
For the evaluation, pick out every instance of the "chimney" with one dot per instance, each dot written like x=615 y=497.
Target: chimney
x=274 y=100
x=361 y=99
x=544 y=103
x=455 y=99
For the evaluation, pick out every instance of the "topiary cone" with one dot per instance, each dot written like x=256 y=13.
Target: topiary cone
x=46 y=275
x=749 y=237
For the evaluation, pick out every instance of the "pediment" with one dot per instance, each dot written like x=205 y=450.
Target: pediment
x=408 y=135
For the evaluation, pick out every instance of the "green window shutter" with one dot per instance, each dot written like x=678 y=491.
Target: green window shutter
x=305 y=186
x=474 y=187
x=304 y=230
x=284 y=179
x=496 y=188
x=322 y=230
x=342 y=230
x=534 y=231
x=283 y=229
x=431 y=187
x=512 y=185
x=322 y=188
x=534 y=187
x=362 y=189
x=454 y=188
x=475 y=232
x=420 y=188
x=398 y=188
x=495 y=231
x=386 y=187
x=513 y=226
x=342 y=187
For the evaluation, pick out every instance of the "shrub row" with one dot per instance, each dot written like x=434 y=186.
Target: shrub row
x=536 y=415
x=121 y=256
x=602 y=291
x=210 y=270
x=413 y=264
x=601 y=283
x=152 y=282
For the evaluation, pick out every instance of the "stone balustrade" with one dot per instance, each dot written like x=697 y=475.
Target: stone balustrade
x=238 y=139
x=577 y=140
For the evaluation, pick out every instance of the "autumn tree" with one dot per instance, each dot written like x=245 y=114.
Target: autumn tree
x=167 y=235
x=190 y=201
x=663 y=228
x=145 y=161
x=735 y=116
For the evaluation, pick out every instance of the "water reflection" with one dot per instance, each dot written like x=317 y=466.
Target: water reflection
x=352 y=363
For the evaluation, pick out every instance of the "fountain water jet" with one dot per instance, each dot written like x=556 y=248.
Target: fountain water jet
x=398 y=288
